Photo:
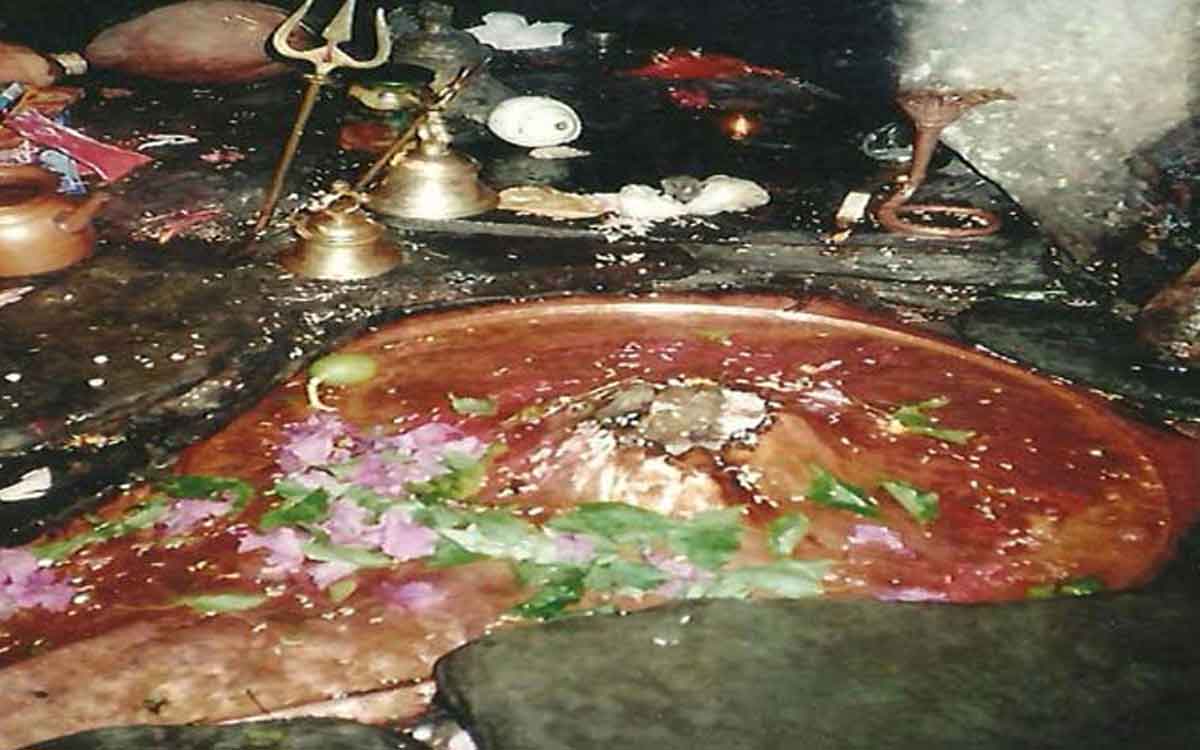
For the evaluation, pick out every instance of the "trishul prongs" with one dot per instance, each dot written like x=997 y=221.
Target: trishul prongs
x=325 y=59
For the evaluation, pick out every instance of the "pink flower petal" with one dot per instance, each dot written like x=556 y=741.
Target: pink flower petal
x=865 y=534
x=327 y=573
x=285 y=550
x=23 y=583
x=185 y=514
x=405 y=540
x=573 y=549
x=347 y=524
x=682 y=575
x=313 y=442
x=414 y=596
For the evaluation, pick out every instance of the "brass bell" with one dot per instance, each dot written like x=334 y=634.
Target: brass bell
x=340 y=242
x=432 y=181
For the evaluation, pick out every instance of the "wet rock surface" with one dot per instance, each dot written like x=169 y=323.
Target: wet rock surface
x=295 y=734
x=1099 y=673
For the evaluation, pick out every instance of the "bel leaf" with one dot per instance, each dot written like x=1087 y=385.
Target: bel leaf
x=363 y=558
x=785 y=532
x=709 y=539
x=463 y=478
x=208 y=487
x=309 y=508
x=826 y=489
x=617 y=522
x=789 y=579
x=922 y=506
x=912 y=418
x=624 y=575
x=448 y=554
x=558 y=587
x=499 y=534
x=224 y=602
x=471 y=406
x=136 y=518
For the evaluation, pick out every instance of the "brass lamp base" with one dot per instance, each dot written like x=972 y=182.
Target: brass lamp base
x=438 y=185
x=433 y=181
x=341 y=243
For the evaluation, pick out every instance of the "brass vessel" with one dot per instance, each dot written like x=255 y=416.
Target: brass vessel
x=41 y=231
x=432 y=181
x=340 y=242
x=438 y=46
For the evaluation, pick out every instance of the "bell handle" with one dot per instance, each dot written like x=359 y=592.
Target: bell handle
x=78 y=219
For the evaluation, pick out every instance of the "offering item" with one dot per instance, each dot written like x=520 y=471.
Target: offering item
x=524 y=461
x=340 y=242
x=41 y=231
x=426 y=178
x=932 y=111
x=196 y=41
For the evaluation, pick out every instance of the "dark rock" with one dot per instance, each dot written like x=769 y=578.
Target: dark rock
x=292 y=734
x=1097 y=673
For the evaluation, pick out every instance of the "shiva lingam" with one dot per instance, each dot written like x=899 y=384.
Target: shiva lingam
x=932 y=111
x=340 y=242
x=426 y=178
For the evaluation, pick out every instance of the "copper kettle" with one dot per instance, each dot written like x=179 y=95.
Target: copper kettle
x=42 y=231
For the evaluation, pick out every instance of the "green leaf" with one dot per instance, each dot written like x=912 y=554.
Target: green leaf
x=344 y=369
x=708 y=539
x=226 y=602
x=826 y=489
x=367 y=498
x=716 y=335
x=340 y=591
x=310 y=508
x=785 y=532
x=208 y=487
x=616 y=522
x=328 y=552
x=1086 y=586
x=464 y=477
x=624 y=576
x=138 y=517
x=921 y=505
x=498 y=533
x=63 y=548
x=448 y=554
x=911 y=418
x=790 y=579
x=289 y=490
x=558 y=587
x=135 y=519
x=473 y=407
x=438 y=516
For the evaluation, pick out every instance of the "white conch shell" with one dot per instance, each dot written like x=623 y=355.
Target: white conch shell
x=535 y=122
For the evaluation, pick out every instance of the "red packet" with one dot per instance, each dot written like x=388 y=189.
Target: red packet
x=684 y=64
x=110 y=162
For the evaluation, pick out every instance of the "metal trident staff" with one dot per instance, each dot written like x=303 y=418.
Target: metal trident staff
x=325 y=59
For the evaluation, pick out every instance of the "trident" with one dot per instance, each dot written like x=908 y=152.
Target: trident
x=325 y=59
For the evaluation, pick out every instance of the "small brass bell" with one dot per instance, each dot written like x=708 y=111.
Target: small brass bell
x=432 y=181
x=340 y=242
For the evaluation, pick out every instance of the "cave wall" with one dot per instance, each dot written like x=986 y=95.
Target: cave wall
x=1095 y=83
